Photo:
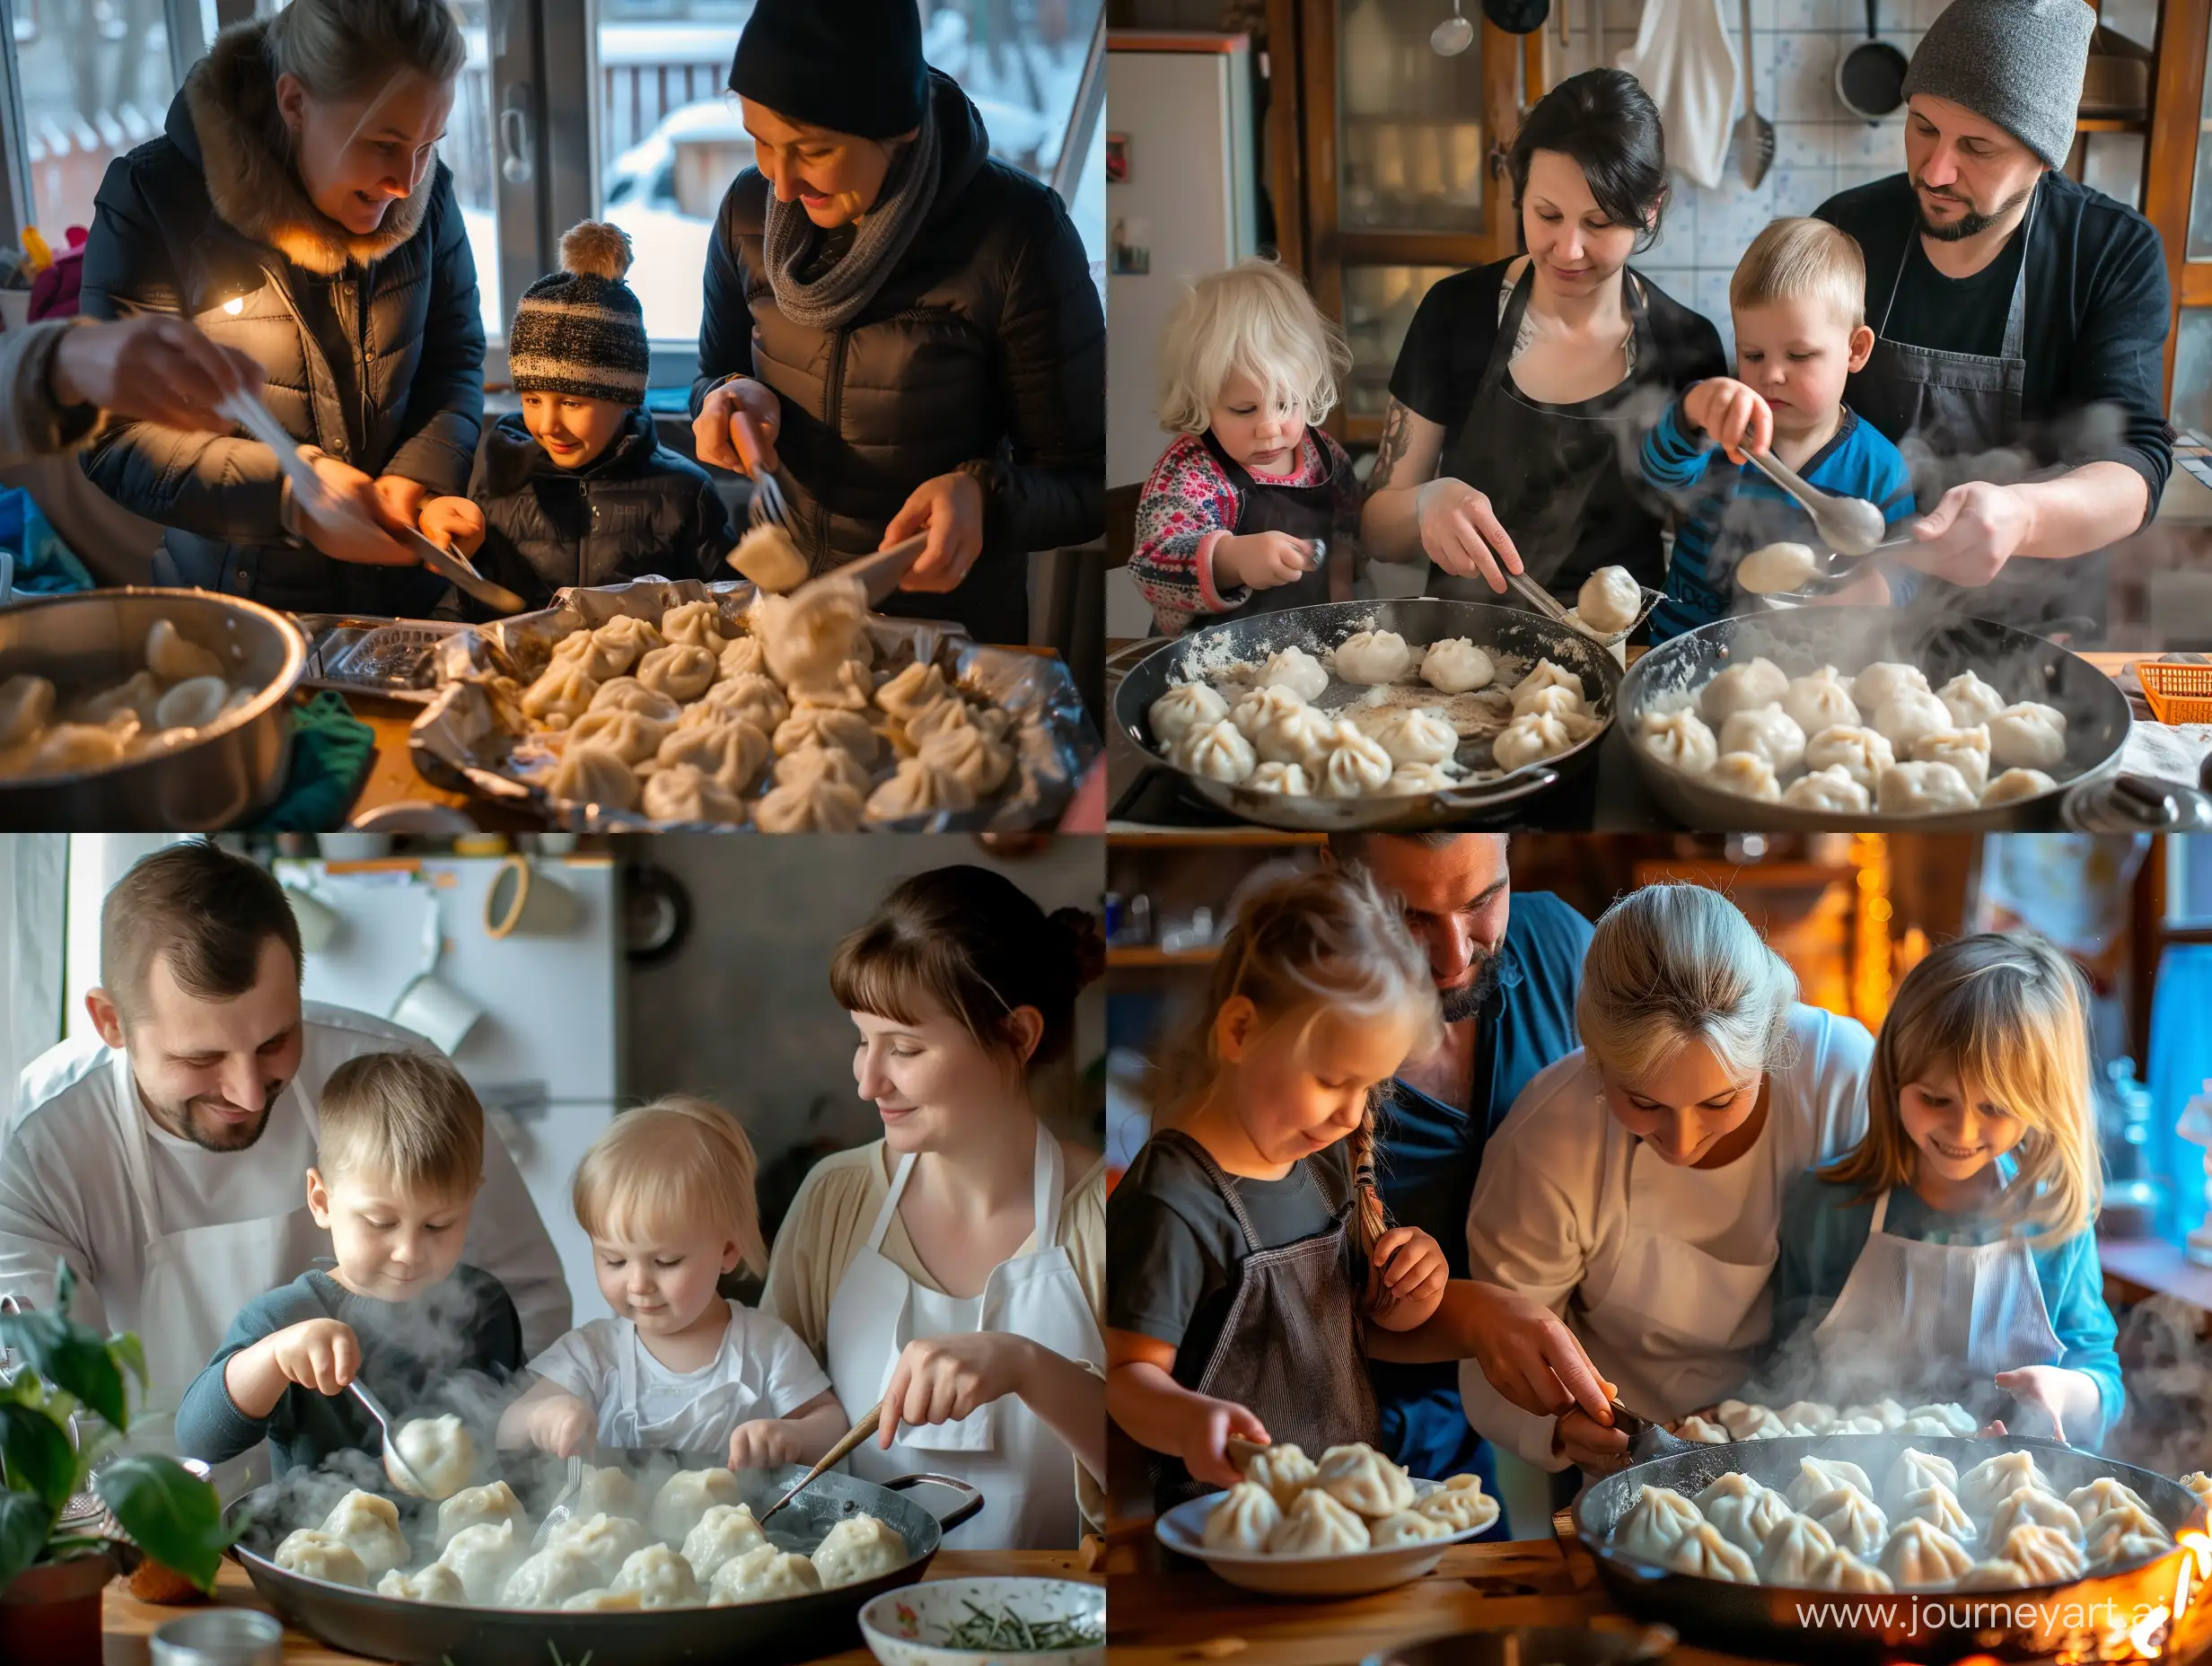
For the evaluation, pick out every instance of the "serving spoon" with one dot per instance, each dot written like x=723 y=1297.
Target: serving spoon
x=1850 y=526
x=395 y=1464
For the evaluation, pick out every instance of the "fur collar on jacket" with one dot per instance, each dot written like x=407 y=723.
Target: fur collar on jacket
x=245 y=158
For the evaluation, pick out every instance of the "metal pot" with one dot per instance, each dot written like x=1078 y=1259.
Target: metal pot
x=1803 y=639
x=1770 y=1620
x=1420 y=620
x=97 y=638
x=756 y=1634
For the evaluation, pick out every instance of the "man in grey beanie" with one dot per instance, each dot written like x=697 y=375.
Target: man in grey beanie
x=2018 y=318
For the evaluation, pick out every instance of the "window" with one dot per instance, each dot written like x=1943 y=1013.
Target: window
x=95 y=78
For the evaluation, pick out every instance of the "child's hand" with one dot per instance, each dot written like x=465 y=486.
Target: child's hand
x=2044 y=1393
x=1260 y=560
x=764 y=1443
x=319 y=1354
x=1581 y=1439
x=1732 y=414
x=1201 y=1438
x=562 y=1424
x=1407 y=1266
x=453 y=523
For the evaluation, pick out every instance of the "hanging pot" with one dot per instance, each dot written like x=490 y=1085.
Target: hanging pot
x=50 y=1613
x=1870 y=78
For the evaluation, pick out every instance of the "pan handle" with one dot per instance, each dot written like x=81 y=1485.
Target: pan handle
x=966 y=1508
x=1536 y=783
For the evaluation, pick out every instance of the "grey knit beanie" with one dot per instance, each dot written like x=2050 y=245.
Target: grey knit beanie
x=580 y=331
x=2017 y=63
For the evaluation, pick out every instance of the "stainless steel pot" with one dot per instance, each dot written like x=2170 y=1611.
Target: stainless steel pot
x=94 y=639
x=1802 y=640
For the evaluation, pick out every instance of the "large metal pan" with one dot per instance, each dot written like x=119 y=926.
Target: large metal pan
x=1420 y=620
x=1778 y=1622
x=93 y=640
x=2022 y=666
x=756 y=1634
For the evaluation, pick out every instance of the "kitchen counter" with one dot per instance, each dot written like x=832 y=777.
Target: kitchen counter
x=126 y=1623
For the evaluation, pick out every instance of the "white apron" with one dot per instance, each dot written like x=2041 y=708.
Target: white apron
x=702 y=1426
x=1026 y=1472
x=1980 y=1305
x=196 y=1280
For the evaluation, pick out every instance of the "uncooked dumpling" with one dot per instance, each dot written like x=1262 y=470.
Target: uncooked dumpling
x=850 y=686
x=192 y=704
x=686 y=792
x=602 y=662
x=1243 y=1520
x=1409 y=779
x=1296 y=669
x=1185 y=707
x=680 y=670
x=1285 y=780
x=1909 y=714
x=2014 y=785
x=1658 y=1517
x=954 y=712
x=1411 y=734
x=2031 y=1505
x=808 y=635
x=918 y=788
x=725 y=1532
x=607 y=1541
x=922 y=684
x=549 y=1578
x=1284 y=1469
x=1969 y=700
x=1704 y=1553
x=859 y=1547
x=1528 y=738
x=434 y=1582
x=1217 y=751
x=438 y=1453
x=1772 y=734
x=1742 y=688
x=2029 y=735
x=981 y=764
x=627 y=694
x=369 y=1525
x=1923 y=790
x=314 y=1554
x=1747 y=775
x=1459 y=1504
x=561 y=694
x=1820 y=701
x=484 y=1555
x=1832 y=790
x=754 y=698
x=1608 y=601
x=1679 y=739
x=1938 y=1506
x=494 y=1501
x=1994 y=1479
x=1854 y=1521
x=1861 y=753
x=173 y=657
x=731 y=752
x=1816 y=1477
x=1282 y=727
x=1456 y=666
x=1317 y=1525
x=1966 y=750
x=1918 y=1556
x=2045 y=1554
x=1350 y=765
x=763 y=1576
x=686 y=1496
x=811 y=764
x=1883 y=678
x=811 y=803
x=659 y=1579
x=826 y=725
x=697 y=623
x=1407 y=1527
x=595 y=775
x=1362 y=1479
x=742 y=656
x=629 y=637
x=631 y=735
x=26 y=706
x=1372 y=656
x=770 y=558
x=1531 y=693
x=1915 y=1470
x=1777 y=569
x=1793 y=1548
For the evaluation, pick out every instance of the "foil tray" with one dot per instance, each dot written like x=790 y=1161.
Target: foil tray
x=396 y=659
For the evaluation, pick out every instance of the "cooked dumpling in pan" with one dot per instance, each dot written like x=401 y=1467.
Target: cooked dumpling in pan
x=1285 y=780
x=731 y=751
x=632 y=736
x=1284 y=1469
x=1749 y=776
x=2198 y=1483
x=26 y=704
x=633 y=638
x=1915 y=1470
x=698 y=623
x=1217 y=751
x=1350 y=765
x=1456 y=666
x=1908 y=715
x=1969 y=700
x=1954 y=1418
x=1993 y=1574
x=492 y=1502
x=1181 y=709
x=369 y=1526
x=434 y=1582
x=606 y=1539
x=1362 y=1479
x=603 y=1600
x=439 y=1452
x=2031 y=1505
x=1938 y=1506
x=609 y=1491
x=686 y=1496
x=2014 y=785
x=817 y=802
x=1705 y=1553
x=193 y=704
x=1696 y=1428
x=2045 y=1554
x=725 y=1532
x=1966 y=750
x=1820 y=701
x=1372 y=656
x=1413 y=734
x=1793 y=1550
x=763 y=1576
x=1774 y=735
x=314 y=1554
x=680 y=670
x=659 y=1578
x=1923 y=789
x=1460 y=1504
x=1243 y=1519
x=1886 y=1412
x=754 y=698
x=1742 y=688
x=742 y=656
x=1296 y=669
x=2125 y=1534
x=627 y=694
x=1260 y=708
x=1530 y=736
x=859 y=1547
x=826 y=725
x=174 y=657
x=1877 y=682
x=687 y=793
x=2105 y=1493
x=1317 y=1525
x=484 y=1555
x=1744 y=1510
x=1994 y=1479
x=1863 y=754
x=595 y=775
x=549 y=1578
x=1839 y=1570
x=2029 y=734
x=1816 y=1477
x=602 y=662
x=1678 y=738
x=1921 y=1557
x=1854 y=1521
x=1658 y=1517
x=1832 y=790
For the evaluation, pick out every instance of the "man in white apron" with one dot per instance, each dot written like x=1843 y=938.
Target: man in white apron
x=2020 y=322
x=166 y=1162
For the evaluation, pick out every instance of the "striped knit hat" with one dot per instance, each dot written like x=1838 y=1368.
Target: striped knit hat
x=580 y=331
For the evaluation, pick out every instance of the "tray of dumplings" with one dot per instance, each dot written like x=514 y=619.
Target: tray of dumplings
x=1349 y=1523
x=661 y=705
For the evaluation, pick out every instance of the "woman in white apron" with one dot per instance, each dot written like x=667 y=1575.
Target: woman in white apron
x=1635 y=1190
x=952 y=1271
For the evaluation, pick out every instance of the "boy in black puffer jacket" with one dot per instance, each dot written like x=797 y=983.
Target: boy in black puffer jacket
x=577 y=488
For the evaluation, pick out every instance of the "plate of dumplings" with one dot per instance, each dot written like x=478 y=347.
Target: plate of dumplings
x=1349 y=1523
x=655 y=705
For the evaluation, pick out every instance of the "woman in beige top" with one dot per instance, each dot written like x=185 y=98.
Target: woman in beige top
x=954 y=1271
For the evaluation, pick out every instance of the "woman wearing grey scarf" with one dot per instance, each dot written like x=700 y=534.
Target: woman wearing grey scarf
x=905 y=327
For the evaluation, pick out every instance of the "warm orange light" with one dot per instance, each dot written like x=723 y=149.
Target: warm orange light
x=235 y=305
x=2145 y=1635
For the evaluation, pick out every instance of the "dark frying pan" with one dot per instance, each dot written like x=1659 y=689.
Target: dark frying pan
x=1420 y=620
x=1870 y=77
x=1777 y=1622
x=2022 y=666
x=756 y=1634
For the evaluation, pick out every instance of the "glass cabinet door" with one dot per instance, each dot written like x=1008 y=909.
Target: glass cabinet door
x=1379 y=304
x=1411 y=142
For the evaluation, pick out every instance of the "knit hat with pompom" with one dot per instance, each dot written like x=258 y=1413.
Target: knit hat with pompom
x=580 y=331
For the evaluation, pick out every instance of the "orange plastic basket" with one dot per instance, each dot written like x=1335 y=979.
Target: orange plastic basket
x=2177 y=694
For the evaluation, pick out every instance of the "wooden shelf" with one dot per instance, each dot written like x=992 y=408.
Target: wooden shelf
x=2112 y=123
x=2146 y=1266
x=1148 y=956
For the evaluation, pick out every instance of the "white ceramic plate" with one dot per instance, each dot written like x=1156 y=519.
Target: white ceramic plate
x=900 y=1626
x=1355 y=1574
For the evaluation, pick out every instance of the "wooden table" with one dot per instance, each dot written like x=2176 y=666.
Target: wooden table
x=126 y=1623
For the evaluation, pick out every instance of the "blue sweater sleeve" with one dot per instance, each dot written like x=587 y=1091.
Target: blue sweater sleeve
x=1674 y=455
x=1823 y=1229
x=2073 y=1286
x=209 y=1425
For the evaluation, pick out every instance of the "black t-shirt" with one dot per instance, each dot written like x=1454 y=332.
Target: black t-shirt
x=1954 y=314
x=1175 y=1254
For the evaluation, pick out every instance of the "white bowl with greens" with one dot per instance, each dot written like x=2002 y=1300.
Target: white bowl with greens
x=981 y=1622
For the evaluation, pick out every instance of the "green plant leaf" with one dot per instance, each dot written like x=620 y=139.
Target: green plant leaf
x=65 y=1288
x=173 y=1517
x=131 y=1355
x=36 y=1456
x=70 y=1357
x=24 y=1523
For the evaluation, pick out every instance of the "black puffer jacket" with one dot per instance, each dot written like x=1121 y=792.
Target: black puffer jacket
x=986 y=342
x=637 y=508
x=373 y=345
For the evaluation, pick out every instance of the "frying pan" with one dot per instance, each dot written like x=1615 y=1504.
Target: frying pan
x=756 y=1634
x=1870 y=77
x=1420 y=620
x=1775 y=1621
x=2022 y=666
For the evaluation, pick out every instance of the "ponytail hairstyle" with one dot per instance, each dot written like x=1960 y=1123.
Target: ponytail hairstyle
x=2010 y=1014
x=1327 y=942
x=344 y=49
x=975 y=944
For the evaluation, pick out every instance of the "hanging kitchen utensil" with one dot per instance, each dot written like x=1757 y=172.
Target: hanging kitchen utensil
x=1451 y=37
x=1870 y=78
x=1754 y=133
x=1517 y=17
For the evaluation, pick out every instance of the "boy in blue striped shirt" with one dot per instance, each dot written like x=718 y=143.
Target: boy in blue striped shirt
x=1799 y=300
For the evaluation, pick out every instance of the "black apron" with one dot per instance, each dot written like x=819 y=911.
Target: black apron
x=1305 y=511
x=1964 y=408
x=1290 y=1349
x=1560 y=478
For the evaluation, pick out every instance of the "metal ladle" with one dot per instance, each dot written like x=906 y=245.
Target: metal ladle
x=1850 y=526
x=1451 y=37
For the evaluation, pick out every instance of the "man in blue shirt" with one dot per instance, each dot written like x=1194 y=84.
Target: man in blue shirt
x=1507 y=969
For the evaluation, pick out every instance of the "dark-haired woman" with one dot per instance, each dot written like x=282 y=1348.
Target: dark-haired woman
x=1524 y=386
x=954 y=1269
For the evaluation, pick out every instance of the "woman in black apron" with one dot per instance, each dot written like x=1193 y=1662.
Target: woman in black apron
x=1476 y=474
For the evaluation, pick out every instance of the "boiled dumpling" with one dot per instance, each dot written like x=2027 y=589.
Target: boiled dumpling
x=602 y=662
x=1993 y=1574
x=630 y=638
x=1282 y=728
x=809 y=634
x=1317 y=1525
x=687 y=793
x=751 y=698
x=1842 y=1570
x=2032 y=1505
x=731 y=752
x=1793 y=1548
x=1739 y=1417
x=135 y=695
x=1773 y=735
x=1909 y=714
x=1747 y=775
x=1745 y=1513
x=1414 y=735
x=1969 y=700
x=1921 y=1557
x=697 y=623
x=1703 y=1433
x=763 y=1576
x=1820 y=701
x=192 y=704
x=607 y=1541
x=1350 y=765
x=1742 y=688
x=1531 y=737
x=1372 y=656
x=725 y=1531
x=1832 y=790
x=1658 y=1517
x=1915 y=1470
x=2045 y=1554
x=1817 y=1415
x=2127 y=1534
x=1260 y=708
x=1550 y=701
x=1284 y=1469
x=680 y=670
x=859 y=1547
x=635 y=736
x=2014 y=785
x=826 y=725
x=1183 y=707
x=610 y=1492
x=1966 y=750
x=434 y=1582
x=770 y=558
x=26 y=706
x=1533 y=692
x=1923 y=790
x=817 y=800
x=314 y=1554
x=922 y=684
x=1243 y=1520
x=1296 y=669
x=369 y=1525
x=484 y=1555
x=1757 y=1423
x=1409 y=779
x=604 y=1602
x=1289 y=780
x=1777 y=569
x=1608 y=601
x=1854 y=1521
x=1954 y=1418
x=742 y=656
x=1861 y=753
x=1938 y=1506
x=494 y=1502
x=686 y=1496
x=1407 y=1527
x=1703 y=1553
x=850 y=687
x=1877 y=682
x=1456 y=666
x=659 y=1578
x=918 y=788
x=1217 y=751
x=1459 y=1504
x=1994 y=1479
x=595 y=775
x=173 y=657
x=561 y=694
x=1816 y=1477
x=1885 y=1411
x=627 y=694
x=1363 y=1479
x=549 y=1578
x=2105 y=1493
x=439 y=1452
x=2029 y=735
x=810 y=764
x=1678 y=738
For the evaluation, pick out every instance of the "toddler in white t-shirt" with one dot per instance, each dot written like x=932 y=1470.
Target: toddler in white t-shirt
x=666 y=1195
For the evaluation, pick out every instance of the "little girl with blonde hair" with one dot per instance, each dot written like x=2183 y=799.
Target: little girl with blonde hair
x=1252 y=508
x=666 y=1195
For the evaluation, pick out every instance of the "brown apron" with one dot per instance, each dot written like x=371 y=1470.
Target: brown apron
x=1291 y=1348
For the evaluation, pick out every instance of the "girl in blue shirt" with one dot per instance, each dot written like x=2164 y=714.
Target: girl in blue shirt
x=1950 y=1255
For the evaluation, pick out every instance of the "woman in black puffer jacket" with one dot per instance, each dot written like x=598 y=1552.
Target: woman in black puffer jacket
x=938 y=366
x=298 y=163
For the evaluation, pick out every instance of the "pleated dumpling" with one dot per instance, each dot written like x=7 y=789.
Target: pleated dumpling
x=659 y=1578
x=686 y=1496
x=633 y=638
x=808 y=634
x=610 y=1492
x=2045 y=1554
x=192 y=704
x=1861 y=753
x=2125 y=1534
x=1756 y=682
x=484 y=1555
x=1840 y=1569
x=1173 y=714
x=2105 y=1493
x=1528 y=695
x=850 y=686
x=1530 y=737
x=981 y=762
x=1816 y=1477
x=1700 y=1430
x=1243 y=1519
x=492 y=1502
x=1407 y=1527
x=1817 y=1415
x=1372 y=656
x=1296 y=669
x=1832 y=790
x=763 y=1576
x=2200 y=1483
x=1923 y=790
x=742 y=656
x=438 y=1451
x=1747 y=775
x=2032 y=1504
x=1915 y=1470
x=1460 y=1504
x=549 y=1578
x=750 y=696
x=1885 y=1411
x=1854 y=1521
x=602 y=662
x=1966 y=750
x=1921 y=1557
x=826 y=725
x=433 y=1583
x=1218 y=751
x=698 y=623
x=731 y=751
x=1362 y=1479
x=2029 y=734
x=595 y=775
x=368 y=1524
x=680 y=670
x=725 y=1532
x=916 y=687
x=635 y=736
x=1284 y=1469
x=916 y=788
x=819 y=801
x=859 y=1547
x=1350 y=765
x=313 y=1554
x=1285 y=780
x=1938 y=1506
x=1793 y=1548
x=685 y=793
x=1993 y=1574
x=1969 y=700
x=1608 y=601
x=561 y=694
x=627 y=694
x=1994 y=1479
x=174 y=657
x=1744 y=1510
x=814 y=763
x=606 y=1539
x=1954 y=1418
x=603 y=1600
x=1820 y=701
x=1678 y=738
x=1884 y=677
x=1412 y=734
x=1741 y=1417
x=1703 y=1553
x=2014 y=785
x=1317 y=1525
x=1908 y=715
x=1658 y=1517
x=1774 y=735
x=1456 y=666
